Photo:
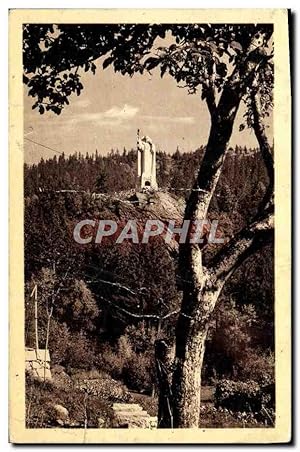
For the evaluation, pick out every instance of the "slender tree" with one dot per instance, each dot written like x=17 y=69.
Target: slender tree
x=223 y=64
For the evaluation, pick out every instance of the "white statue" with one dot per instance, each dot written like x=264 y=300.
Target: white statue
x=146 y=162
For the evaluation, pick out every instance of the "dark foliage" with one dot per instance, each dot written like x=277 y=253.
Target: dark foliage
x=248 y=396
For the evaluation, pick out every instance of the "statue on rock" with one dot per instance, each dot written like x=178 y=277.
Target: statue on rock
x=146 y=164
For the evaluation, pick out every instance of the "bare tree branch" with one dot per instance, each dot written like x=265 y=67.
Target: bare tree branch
x=118 y=285
x=140 y=316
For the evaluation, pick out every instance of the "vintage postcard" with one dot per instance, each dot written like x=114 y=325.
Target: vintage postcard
x=150 y=226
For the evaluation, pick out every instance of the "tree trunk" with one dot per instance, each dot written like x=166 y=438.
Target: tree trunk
x=187 y=382
x=191 y=334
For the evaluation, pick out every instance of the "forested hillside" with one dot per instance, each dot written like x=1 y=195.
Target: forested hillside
x=117 y=171
x=108 y=304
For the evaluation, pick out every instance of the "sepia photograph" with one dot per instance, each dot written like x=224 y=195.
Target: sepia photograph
x=150 y=289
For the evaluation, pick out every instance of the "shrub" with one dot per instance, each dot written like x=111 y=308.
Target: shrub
x=138 y=372
x=124 y=347
x=59 y=341
x=82 y=374
x=70 y=349
x=258 y=366
x=104 y=387
x=112 y=362
x=135 y=369
x=248 y=396
x=139 y=340
x=80 y=353
x=212 y=417
x=60 y=378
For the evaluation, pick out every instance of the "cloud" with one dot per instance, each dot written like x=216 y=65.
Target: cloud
x=170 y=119
x=125 y=112
x=116 y=115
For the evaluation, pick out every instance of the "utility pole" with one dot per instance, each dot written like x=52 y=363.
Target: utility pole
x=34 y=293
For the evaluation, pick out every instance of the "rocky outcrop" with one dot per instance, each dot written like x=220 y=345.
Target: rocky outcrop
x=61 y=415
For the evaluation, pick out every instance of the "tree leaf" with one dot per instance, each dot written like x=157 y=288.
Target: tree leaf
x=107 y=62
x=151 y=63
x=221 y=69
x=163 y=70
x=236 y=46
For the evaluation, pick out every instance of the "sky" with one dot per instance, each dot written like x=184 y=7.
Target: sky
x=112 y=107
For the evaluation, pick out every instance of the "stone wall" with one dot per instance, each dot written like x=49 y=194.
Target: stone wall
x=36 y=364
x=132 y=415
